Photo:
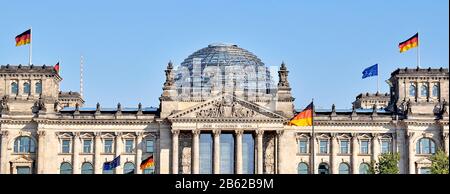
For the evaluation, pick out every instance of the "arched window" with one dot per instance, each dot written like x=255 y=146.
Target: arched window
x=38 y=88
x=302 y=168
x=424 y=90
x=128 y=168
x=26 y=88
x=24 y=144
x=87 y=168
x=412 y=90
x=105 y=171
x=65 y=168
x=14 y=88
x=364 y=168
x=323 y=168
x=425 y=146
x=435 y=91
x=344 y=168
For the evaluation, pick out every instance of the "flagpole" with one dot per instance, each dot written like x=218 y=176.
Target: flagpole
x=313 y=165
x=378 y=77
x=418 y=51
x=30 y=48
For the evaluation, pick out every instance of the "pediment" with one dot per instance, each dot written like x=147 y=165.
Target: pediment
x=22 y=159
x=227 y=107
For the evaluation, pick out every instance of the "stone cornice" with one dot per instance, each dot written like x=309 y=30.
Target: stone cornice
x=209 y=120
x=79 y=121
x=352 y=123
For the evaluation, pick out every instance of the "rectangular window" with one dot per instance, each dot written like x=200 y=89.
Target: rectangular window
x=323 y=146
x=385 y=146
x=303 y=146
x=129 y=146
x=108 y=146
x=344 y=146
x=65 y=146
x=149 y=146
x=364 y=149
x=23 y=170
x=87 y=144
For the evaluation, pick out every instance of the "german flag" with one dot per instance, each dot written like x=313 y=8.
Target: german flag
x=410 y=43
x=147 y=163
x=56 y=67
x=303 y=118
x=24 y=38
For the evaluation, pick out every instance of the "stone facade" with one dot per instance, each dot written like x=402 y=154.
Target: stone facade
x=47 y=131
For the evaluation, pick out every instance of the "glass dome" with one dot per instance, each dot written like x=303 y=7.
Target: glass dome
x=220 y=54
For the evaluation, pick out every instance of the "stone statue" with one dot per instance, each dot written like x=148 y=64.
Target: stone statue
x=56 y=106
x=269 y=155
x=4 y=107
x=282 y=75
x=40 y=104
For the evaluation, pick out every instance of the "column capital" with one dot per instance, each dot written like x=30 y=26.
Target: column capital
x=175 y=131
x=375 y=135
x=140 y=134
x=239 y=131
x=410 y=134
x=333 y=135
x=196 y=132
x=216 y=132
x=41 y=133
x=5 y=133
x=76 y=134
x=118 y=134
x=280 y=132
x=259 y=132
x=98 y=134
x=354 y=135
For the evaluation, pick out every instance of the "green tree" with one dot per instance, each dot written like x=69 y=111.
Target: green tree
x=387 y=164
x=439 y=163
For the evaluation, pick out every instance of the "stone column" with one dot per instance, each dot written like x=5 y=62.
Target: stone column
x=41 y=152
x=118 y=151
x=279 y=150
x=375 y=146
x=259 y=159
x=446 y=143
x=195 y=152
x=175 y=139
x=334 y=151
x=411 y=165
x=139 y=152
x=216 y=160
x=76 y=152
x=402 y=149
x=238 y=150
x=4 y=164
x=355 y=151
x=97 y=149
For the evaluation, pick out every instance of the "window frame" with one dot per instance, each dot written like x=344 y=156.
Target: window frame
x=105 y=150
x=19 y=148
x=301 y=170
x=389 y=148
x=346 y=165
x=420 y=147
x=412 y=88
x=361 y=146
x=327 y=147
x=424 y=88
x=62 y=145
x=25 y=92
x=340 y=145
x=14 y=88
x=131 y=151
x=90 y=145
x=300 y=141
x=147 y=146
x=84 y=170
x=38 y=87
x=61 y=165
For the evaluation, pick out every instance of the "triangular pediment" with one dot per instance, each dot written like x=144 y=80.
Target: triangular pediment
x=227 y=107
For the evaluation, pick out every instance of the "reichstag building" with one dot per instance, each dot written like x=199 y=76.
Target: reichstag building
x=221 y=111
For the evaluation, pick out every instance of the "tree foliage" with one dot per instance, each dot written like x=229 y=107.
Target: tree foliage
x=387 y=164
x=439 y=163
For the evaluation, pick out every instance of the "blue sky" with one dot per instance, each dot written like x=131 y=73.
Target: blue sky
x=127 y=44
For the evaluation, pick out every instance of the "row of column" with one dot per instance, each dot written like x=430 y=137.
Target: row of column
x=334 y=149
x=195 y=164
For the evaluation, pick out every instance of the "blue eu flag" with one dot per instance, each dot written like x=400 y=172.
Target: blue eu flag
x=113 y=164
x=370 y=71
